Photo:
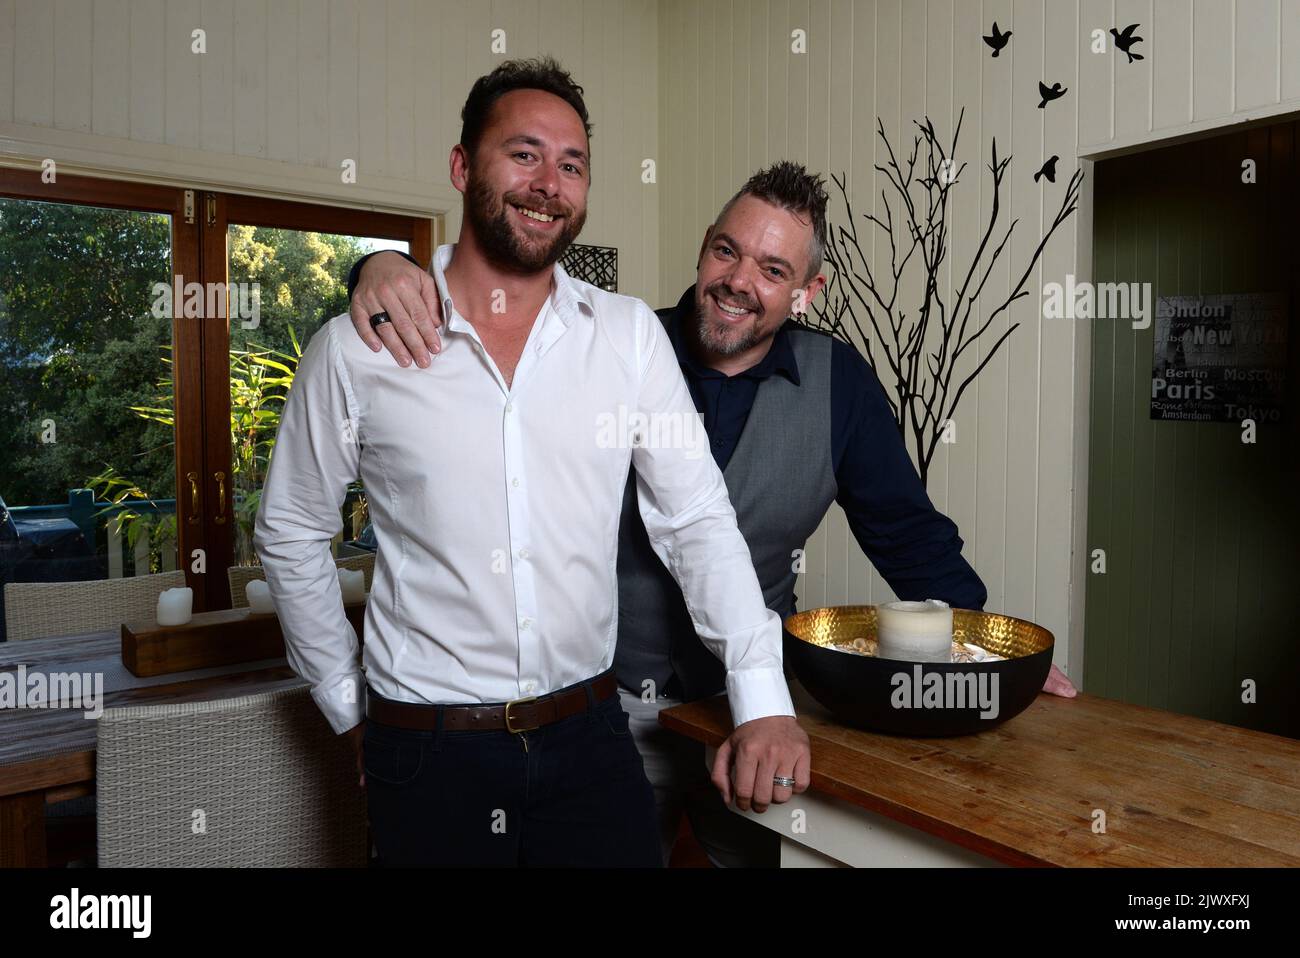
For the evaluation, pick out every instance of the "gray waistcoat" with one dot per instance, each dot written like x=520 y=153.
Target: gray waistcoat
x=781 y=482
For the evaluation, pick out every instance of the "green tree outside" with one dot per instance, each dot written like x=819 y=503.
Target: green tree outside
x=81 y=346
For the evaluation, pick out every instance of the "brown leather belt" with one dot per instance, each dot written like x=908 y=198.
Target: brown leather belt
x=518 y=715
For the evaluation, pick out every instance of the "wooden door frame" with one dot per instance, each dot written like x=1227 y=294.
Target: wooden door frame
x=219 y=212
x=187 y=397
x=201 y=350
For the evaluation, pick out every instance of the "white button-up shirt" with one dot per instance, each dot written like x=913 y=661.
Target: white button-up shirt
x=496 y=511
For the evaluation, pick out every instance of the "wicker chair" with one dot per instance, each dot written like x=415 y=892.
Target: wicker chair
x=37 y=609
x=240 y=575
x=258 y=781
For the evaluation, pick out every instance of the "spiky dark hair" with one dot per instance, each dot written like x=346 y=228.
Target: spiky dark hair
x=789 y=186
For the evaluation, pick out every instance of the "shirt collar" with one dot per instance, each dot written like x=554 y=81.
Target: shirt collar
x=779 y=359
x=569 y=298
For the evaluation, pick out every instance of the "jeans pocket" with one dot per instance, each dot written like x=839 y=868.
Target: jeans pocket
x=615 y=718
x=389 y=759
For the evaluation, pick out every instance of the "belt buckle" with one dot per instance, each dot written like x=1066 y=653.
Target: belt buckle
x=522 y=701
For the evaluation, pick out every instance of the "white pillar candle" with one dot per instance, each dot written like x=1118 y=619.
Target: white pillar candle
x=353 y=584
x=175 y=606
x=259 y=597
x=914 y=631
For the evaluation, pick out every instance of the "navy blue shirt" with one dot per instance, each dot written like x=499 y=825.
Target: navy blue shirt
x=915 y=547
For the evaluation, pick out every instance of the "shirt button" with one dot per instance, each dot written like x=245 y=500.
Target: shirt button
x=524 y=553
x=514 y=482
x=525 y=623
x=510 y=407
x=530 y=687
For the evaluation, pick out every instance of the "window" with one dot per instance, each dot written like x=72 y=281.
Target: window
x=148 y=336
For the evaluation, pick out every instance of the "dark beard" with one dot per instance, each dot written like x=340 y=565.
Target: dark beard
x=500 y=242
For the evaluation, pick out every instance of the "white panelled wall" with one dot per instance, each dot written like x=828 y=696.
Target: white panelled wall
x=287 y=90
x=734 y=97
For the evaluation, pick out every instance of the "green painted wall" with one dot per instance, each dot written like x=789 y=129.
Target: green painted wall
x=1201 y=532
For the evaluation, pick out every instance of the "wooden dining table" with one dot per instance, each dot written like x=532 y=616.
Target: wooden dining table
x=48 y=754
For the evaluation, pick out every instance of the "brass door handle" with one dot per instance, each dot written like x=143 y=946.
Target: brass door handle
x=193 y=518
x=221 y=498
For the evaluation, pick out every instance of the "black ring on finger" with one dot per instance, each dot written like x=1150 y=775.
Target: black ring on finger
x=378 y=319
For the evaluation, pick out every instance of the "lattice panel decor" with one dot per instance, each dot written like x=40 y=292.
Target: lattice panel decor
x=597 y=265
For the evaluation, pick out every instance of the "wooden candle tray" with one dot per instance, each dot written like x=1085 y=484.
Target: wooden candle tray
x=209 y=639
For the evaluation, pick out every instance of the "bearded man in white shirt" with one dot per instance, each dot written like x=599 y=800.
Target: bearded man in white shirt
x=487 y=721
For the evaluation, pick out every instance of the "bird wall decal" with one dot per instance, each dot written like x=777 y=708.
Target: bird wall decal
x=997 y=40
x=1124 y=41
x=1055 y=92
x=1048 y=170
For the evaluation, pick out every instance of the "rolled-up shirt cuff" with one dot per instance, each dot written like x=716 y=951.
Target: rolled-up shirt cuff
x=343 y=702
x=757 y=693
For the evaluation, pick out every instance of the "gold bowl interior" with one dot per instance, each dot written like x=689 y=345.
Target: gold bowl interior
x=1002 y=635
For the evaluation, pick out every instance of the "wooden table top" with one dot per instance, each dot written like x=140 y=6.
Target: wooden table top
x=1176 y=790
x=44 y=748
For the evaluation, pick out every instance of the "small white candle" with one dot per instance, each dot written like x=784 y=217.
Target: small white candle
x=259 y=597
x=353 y=584
x=175 y=606
x=914 y=631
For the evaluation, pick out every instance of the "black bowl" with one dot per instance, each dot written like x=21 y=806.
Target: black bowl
x=918 y=699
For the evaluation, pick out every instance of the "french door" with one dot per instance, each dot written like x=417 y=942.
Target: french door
x=148 y=335
x=281 y=263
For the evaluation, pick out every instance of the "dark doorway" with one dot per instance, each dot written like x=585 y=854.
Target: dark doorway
x=1200 y=528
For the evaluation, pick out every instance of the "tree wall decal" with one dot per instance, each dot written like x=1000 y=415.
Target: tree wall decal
x=926 y=383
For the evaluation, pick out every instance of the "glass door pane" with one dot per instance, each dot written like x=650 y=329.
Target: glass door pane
x=284 y=284
x=88 y=478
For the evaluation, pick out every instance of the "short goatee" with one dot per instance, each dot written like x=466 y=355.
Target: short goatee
x=712 y=339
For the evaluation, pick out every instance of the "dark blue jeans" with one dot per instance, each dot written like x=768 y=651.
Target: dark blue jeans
x=571 y=793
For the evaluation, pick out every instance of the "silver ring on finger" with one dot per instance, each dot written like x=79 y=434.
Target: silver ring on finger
x=783 y=781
